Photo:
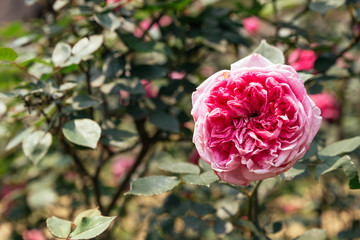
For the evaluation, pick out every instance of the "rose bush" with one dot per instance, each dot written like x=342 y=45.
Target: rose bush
x=254 y=121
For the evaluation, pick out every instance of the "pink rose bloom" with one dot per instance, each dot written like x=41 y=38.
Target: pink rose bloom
x=33 y=234
x=301 y=59
x=330 y=109
x=121 y=166
x=150 y=89
x=177 y=75
x=254 y=121
x=251 y=24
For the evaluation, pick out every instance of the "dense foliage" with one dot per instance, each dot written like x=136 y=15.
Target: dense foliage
x=95 y=109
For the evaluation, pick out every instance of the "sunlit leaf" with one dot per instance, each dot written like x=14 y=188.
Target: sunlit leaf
x=297 y=171
x=91 y=227
x=35 y=145
x=273 y=54
x=313 y=234
x=83 y=132
x=87 y=213
x=86 y=46
x=8 y=54
x=58 y=227
x=152 y=185
x=18 y=138
x=61 y=53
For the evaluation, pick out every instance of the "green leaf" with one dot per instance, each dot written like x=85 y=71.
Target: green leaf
x=222 y=227
x=194 y=223
x=36 y=145
x=80 y=102
x=18 y=138
x=330 y=164
x=204 y=165
x=164 y=121
x=114 y=66
x=313 y=234
x=179 y=167
x=322 y=6
x=152 y=185
x=205 y=178
x=61 y=53
x=297 y=171
x=87 y=213
x=305 y=76
x=149 y=72
x=324 y=62
x=59 y=4
x=8 y=54
x=91 y=227
x=58 y=227
x=341 y=147
x=273 y=54
x=353 y=175
x=83 y=132
x=86 y=46
x=108 y=20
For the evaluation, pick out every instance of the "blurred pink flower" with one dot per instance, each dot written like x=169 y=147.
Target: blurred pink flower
x=120 y=166
x=207 y=71
x=124 y=97
x=330 y=108
x=33 y=234
x=342 y=62
x=194 y=157
x=251 y=24
x=151 y=90
x=165 y=21
x=154 y=30
x=177 y=75
x=301 y=59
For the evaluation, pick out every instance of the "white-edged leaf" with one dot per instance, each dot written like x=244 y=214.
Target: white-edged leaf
x=83 y=132
x=36 y=144
x=108 y=20
x=61 y=53
x=87 y=213
x=91 y=227
x=273 y=54
x=59 y=4
x=313 y=234
x=305 y=76
x=152 y=185
x=18 y=138
x=322 y=6
x=86 y=46
x=58 y=227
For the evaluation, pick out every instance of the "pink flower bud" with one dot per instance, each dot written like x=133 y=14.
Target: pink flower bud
x=120 y=166
x=150 y=89
x=251 y=24
x=33 y=234
x=301 y=59
x=177 y=75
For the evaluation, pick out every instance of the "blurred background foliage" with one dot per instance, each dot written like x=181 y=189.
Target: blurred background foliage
x=129 y=67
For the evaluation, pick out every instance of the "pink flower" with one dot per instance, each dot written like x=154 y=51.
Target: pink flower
x=301 y=59
x=330 y=109
x=251 y=24
x=120 y=166
x=154 y=30
x=150 y=89
x=33 y=234
x=177 y=75
x=194 y=157
x=254 y=121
